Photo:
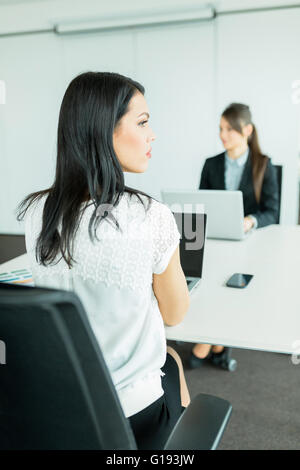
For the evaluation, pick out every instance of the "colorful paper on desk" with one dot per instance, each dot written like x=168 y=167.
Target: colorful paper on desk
x=18 y=276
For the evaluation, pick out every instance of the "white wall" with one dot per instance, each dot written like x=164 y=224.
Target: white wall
x=32 y=71
x=190 y=73
x=258 y=60
x=180 y=83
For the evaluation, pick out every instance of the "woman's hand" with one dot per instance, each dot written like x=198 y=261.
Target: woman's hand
x=248 y=224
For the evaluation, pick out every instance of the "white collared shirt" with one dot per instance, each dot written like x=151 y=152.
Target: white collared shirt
x=113 y=278
x=234 y=170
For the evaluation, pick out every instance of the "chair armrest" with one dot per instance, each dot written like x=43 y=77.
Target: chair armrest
x=201 y=425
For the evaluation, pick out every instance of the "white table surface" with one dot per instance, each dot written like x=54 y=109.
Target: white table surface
x=21 y=262
x=266 y=314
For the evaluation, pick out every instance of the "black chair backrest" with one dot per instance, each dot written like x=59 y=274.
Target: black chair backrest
x=278 y=169
x=55 y=389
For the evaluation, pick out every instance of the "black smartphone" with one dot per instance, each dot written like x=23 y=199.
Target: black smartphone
x=239 y=280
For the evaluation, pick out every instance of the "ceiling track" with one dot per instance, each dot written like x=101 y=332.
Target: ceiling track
x=216 y=14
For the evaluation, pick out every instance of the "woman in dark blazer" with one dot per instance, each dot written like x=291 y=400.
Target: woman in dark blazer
x=241 y=167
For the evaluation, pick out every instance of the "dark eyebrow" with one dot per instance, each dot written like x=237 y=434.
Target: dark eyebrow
x=147 y=114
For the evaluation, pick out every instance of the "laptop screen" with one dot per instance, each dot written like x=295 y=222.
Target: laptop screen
x=192 y=230
x=11 y=246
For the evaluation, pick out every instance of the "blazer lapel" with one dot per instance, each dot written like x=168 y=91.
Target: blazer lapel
x=246 y=179
x=221 y=172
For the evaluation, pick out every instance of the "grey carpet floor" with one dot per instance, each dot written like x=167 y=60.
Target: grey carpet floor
x=265 y=395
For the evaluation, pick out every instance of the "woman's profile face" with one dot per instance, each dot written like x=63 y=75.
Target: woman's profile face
x=231 y=138
x=133 y=136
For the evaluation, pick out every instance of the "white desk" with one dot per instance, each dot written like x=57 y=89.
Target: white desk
x=21 y=262
x=266 y=314
x=16 y=271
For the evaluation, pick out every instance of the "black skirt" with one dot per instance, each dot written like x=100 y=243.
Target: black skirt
x=153 y=425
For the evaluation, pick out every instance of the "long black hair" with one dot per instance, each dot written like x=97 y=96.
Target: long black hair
x=87 y=167
x=239 y=114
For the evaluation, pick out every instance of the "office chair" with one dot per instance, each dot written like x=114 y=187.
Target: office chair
x=56 y=391
x=224 y=360
x=279 y=170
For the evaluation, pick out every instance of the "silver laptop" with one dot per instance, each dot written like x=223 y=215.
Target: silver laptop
x=191 y=227
x=224 y=209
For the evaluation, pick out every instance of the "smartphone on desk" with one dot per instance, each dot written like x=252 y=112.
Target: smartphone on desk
x=239 y=280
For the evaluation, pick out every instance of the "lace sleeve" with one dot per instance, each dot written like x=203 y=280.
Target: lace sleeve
x=165 y=236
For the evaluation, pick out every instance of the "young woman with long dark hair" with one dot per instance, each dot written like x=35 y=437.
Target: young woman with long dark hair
x=114 y=246
x=242 y=166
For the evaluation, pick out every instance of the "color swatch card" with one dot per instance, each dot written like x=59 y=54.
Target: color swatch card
x=19 y=276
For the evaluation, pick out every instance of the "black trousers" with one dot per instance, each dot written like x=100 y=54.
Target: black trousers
x=153 y=425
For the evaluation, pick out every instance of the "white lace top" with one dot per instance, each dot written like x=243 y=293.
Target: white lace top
x=113 y=279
